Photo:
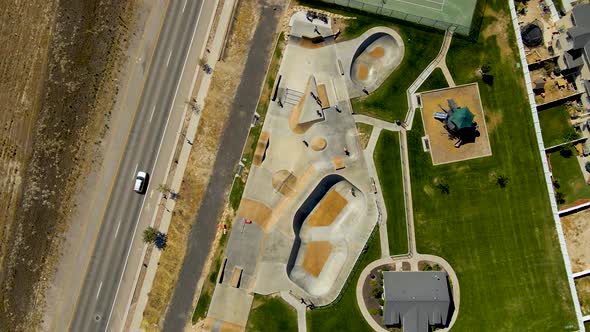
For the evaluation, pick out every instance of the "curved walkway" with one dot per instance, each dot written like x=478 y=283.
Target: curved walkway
x=411 y=92
x=456 y=292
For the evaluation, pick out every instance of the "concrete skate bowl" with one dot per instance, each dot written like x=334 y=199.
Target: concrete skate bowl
x=320 y=249
x=375 y=59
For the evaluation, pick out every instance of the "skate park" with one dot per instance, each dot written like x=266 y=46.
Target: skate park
x=308 y=207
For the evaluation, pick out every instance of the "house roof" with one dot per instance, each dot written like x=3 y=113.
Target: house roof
x=416 y=299
x=580 y=33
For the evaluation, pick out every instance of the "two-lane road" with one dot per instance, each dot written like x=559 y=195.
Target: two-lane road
x=125 y=209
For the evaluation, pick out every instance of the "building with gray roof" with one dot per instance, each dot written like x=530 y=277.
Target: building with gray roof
x=416 y=300
x=576 y=42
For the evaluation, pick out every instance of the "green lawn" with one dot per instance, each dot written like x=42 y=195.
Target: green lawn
x=388 y=164
x=422 y=44
x=344 y=313
x=555 y=126
x=271 y=314
x=501 y=242
x=436 y=80
x=568 y=175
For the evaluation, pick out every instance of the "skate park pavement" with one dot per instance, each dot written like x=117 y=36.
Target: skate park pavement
x=308 y=207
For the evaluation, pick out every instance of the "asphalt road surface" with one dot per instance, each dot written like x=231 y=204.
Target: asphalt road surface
x=120 y=222
x=232 y=142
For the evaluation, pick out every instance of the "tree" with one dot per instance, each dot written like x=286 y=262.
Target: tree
x=559 y=197
x=161 y=240
x=164 y=188
x=149 y=235
x=377 y=292
x=502 y=181
x=444 y=188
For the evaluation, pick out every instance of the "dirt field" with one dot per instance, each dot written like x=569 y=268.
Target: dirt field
x=59 y=64
x=442 y=148
x=316 y=254
x=200 y=165
x=328 y=210
x=576 y=228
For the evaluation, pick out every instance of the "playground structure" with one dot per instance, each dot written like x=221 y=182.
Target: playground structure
x=458 y=131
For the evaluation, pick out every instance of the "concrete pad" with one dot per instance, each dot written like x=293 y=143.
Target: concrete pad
x=239 y=301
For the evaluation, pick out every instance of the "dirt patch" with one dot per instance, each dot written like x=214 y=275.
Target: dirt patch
x=328 y=209
x=224 y=84
x=60 y=64
x=318 y=143
x=442 y=148
x=377 y=52
x=493 y=119
x=323 y=96
x=576 y=228
x=284 y=182
x=261 y=147
x=497 y=30
x=362 y=72
x=316 y=255
x=255 y=211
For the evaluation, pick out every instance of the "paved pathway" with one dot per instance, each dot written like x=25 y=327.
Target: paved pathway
x=411 y=92
x=403 y=141
x=299 y=307
x=376 y=122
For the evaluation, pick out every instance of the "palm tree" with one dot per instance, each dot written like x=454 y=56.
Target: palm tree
x=502 y=181
x=149 y=235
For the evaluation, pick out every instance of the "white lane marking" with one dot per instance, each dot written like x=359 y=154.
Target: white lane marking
x=184 y=6
x=135 y=171
x=168 y=61
x=117 y=231
x=99 y=288
x=153 y=166
x=153 y=111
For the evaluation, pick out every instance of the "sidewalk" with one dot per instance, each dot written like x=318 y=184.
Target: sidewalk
x=299 y=307
x=205 y=80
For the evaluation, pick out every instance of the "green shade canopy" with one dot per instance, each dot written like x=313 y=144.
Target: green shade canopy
x=462 y=118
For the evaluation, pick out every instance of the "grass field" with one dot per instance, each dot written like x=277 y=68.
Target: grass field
x=422 y=44
x=568 y=174
x=436 y=80
x=583 y=288
x=271 y=314
x=388 y=164
x=501 y=242
x=344 y=314
x=364 y=133
x=555 y=126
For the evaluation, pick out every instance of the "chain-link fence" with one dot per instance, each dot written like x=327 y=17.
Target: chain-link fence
x=381 y=10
